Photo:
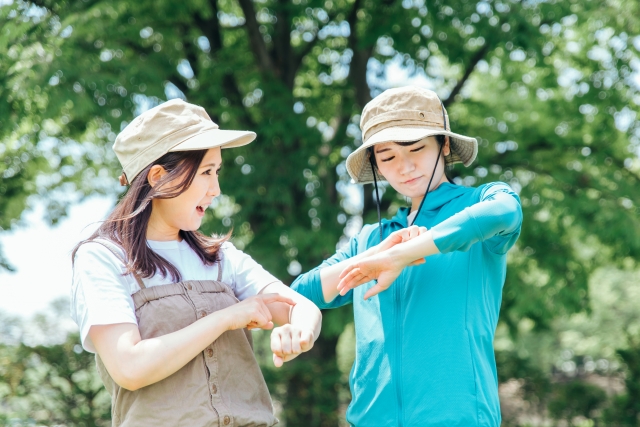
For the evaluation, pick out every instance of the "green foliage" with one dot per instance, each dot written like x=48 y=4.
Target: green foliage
x=547 y=88
x=565 y=406
x=55 y=384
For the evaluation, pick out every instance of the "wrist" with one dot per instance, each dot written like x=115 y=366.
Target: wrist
x=218 y=318
x=398 y=255
x=374 y=250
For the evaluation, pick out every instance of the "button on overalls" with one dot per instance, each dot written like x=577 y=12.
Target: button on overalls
x=221 y=387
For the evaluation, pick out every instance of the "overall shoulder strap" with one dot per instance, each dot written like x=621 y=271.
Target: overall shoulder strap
x=219 y=262
x=110 y=245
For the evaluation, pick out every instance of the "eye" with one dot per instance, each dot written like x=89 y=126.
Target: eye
x=207 y=172
x=218 y=171
x=417 y=149
x=389 y=159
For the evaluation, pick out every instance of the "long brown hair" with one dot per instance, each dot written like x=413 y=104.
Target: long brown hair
x=126 y=226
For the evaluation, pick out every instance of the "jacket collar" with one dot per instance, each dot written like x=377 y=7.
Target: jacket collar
x=436 y=199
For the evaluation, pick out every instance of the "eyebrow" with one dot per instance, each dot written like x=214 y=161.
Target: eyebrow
x=209 y=165
x=383 y=150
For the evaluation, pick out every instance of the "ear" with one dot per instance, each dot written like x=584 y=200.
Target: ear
x=446 y=150
x=155 y=174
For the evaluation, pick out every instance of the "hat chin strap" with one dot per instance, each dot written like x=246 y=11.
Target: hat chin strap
x=428 y=186
x=444 y=121
x=375 y=181
x=375 y=184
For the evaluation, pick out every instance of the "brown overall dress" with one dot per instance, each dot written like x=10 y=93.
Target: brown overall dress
x=221 y=387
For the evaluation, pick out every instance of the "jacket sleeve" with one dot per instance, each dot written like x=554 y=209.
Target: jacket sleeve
x=495 y=220
x=309 y=283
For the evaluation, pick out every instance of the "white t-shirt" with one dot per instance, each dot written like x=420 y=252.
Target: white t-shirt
x=411 y=217
x=101 y=295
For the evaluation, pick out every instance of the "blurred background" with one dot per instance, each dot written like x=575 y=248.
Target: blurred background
x=549 y=88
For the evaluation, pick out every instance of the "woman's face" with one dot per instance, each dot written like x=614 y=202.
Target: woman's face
x=185 y=212
x=408 y=168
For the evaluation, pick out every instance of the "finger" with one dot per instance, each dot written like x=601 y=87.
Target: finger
x=264 y=310
x=259 y=319
x=347 y=277
x=348 y=269
x=354 y=282
x=347 y=285
x=395 y=237
x=374 y=290
x=413 y=231
x=268 y=325
x=261 y=323
x=285 y=339
x=423 y=230
x=306 y=341
x=296 y=346
x=277 y=361
x=418 y=262
x=269 y=298
x=276 y=342
x=344 y=278
x=382 y=285
x=290 y=357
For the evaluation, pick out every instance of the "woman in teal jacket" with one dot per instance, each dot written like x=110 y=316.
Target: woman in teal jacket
x=424 y=334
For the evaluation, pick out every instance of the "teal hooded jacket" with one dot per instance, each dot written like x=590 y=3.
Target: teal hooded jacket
x=424 y=347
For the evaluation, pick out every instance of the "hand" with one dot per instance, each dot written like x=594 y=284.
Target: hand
x=397 y=237
x=288 y=342
x=253 y=312
x=381 y=267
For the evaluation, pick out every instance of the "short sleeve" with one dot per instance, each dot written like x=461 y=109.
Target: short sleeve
x=100 y=294
x=245 y=276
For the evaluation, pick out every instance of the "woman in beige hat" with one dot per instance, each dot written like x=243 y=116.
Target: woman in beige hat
x=424 y=335
x=166 y=308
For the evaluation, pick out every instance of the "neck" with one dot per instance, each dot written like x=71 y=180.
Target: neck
x=159 y=230
x=415 y=201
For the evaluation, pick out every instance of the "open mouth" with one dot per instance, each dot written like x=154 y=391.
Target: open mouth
x=200 y=210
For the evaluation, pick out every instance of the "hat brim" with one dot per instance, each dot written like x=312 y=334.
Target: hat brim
x=464 y=149
x=216 y=138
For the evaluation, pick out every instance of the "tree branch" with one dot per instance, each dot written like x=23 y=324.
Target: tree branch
x=258 y=46
x=358 y=67
x=470 y=67
x=210 y=27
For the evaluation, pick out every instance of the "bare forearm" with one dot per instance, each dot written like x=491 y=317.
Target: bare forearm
x=416 y=248
x=330 y=276
x=304 y=314
x=151 y=360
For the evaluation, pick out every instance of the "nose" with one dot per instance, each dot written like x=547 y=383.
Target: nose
x=407 y=165
x=214 y=187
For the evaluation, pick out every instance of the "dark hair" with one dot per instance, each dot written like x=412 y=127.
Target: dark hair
x=440 y=139
x=127 y=224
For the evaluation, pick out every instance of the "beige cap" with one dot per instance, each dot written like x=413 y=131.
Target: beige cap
x=172 y=126
x=404 y=114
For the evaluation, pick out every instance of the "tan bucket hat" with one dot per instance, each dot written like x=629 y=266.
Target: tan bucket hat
x=405 y=114
x=174 y=125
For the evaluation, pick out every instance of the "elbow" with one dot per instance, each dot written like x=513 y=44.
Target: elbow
x=131 y=385
x=512 y=212
x=516 y=216
x=128 y=379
